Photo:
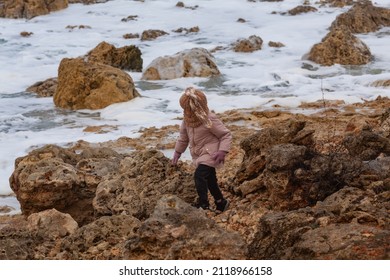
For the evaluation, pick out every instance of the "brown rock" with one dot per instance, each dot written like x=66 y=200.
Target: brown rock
x=340 y=46
x=126 y=58
x=44 y=88
x=178 y=231
x=84 y=85
x=152 y=34
x=363 y=17
x=337 y=3
x=301 y=10
x=253 y=43
x=275 y=44
x=196 y=62
x=30 y=9
x=381 y=83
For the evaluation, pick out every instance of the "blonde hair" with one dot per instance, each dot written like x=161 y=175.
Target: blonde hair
x=196 y=111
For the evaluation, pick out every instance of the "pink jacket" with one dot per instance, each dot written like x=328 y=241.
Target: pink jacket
x=204 y=141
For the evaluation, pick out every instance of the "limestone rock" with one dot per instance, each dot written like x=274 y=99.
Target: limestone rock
x=146 y=177
x=30 y=9
x=44 y=88
x=178 y=231
x=340 y=46
x=253 y=43
x=196 y=62
x=84 y=85
x=51 y=224
x=301 y=10
x=87 y=2
x=363 y=17
x=125 y=58
x=151 y=34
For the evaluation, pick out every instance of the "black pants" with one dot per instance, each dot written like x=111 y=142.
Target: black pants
x=206 y=179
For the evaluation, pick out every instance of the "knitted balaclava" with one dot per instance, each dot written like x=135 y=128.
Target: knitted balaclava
x=194 y=103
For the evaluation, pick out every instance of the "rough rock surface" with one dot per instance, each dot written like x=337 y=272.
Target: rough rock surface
x=363 y=17
x=84 y=85
x=126 y=58
x=30 y=9
x=253 y=43
x=152 y=34
x=340 y=46
x=178 y=231
x=44 y=88
x=196 y=62
x=302 y=9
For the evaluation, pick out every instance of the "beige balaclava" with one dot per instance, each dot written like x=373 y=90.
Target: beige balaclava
x=194 y=104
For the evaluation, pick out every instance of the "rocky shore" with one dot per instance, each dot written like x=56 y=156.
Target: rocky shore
x=306 y=183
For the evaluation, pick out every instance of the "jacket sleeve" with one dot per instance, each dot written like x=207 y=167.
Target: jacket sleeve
x=221 y=132
x=183 y=140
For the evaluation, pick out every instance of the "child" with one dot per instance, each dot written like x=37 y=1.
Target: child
x=209 y=141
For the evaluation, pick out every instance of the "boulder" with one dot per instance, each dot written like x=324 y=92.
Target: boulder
x=145 y=178
x=178 y=231
x=125 y=58
x=301 y=10
x=363 y=17
x=340 y=46
x=151 y=34
x=253 y=43
x=85 y=85
x=30 y=9
x=196 y=62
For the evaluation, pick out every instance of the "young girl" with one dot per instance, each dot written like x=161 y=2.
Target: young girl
x=209 y=141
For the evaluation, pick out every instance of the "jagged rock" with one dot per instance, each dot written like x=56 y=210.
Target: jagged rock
x=44 y=88
x=152 y=34
x=104 y=238
x=145 y=178
x=301 y=10
x=54 y=177
x=253 y=43
x=30 y=9
x=340 y=46
x=367 y=145
x=178 y=231
x=84 y=85
x=363 y=17
x=196 y=62
x=125 y=58
x=350 y=224
x=51 y=224
x=337 y=3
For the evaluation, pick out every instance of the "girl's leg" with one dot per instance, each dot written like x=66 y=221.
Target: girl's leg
x=201 y=183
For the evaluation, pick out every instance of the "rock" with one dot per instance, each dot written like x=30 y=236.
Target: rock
x=84 y=85
x=44 y=88
x=381 y=83
x=104 y=238
x=275 y=44
x=151 y=34
x=54 y=177
x=87 y=2
x=350 y=224
x=51 y=224
x=145 y=178
x=363 y=17
x=253 y=43
x=125 y=58
x=301 y=10
x=178 y=231
x=196 y=62
x=340 y=46
x=337 y=3
x=30 y=9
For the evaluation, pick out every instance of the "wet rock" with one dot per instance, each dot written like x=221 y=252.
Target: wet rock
x=87 y=2
x=363 y=17
x=196 y=62
x=44 y=88
x=301 y=10
x=84 y=85
x=30 y=9
x=151 y=34
x=273 y=44
x=253 y=43
x=125 y=58
x=178 y=231
x=337 y=3
x=340 y=46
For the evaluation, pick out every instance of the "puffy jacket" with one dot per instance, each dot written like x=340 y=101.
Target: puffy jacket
x=204 y=141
